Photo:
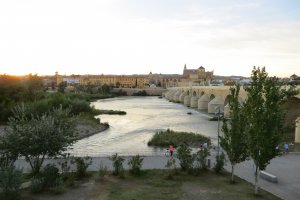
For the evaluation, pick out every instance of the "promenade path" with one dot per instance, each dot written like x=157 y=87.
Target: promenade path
x=286 y=168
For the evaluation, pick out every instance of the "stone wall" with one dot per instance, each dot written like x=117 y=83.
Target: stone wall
x=149 y=91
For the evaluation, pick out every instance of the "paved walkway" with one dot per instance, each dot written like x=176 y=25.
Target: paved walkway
x=286 y=168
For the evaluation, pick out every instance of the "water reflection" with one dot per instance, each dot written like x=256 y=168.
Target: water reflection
x=129 y=134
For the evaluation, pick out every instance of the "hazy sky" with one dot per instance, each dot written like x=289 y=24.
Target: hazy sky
x=139 y=36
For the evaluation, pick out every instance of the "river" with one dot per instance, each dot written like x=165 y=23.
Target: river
x=129 y=134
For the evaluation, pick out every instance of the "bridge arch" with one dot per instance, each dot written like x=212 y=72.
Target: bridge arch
x=211 y=97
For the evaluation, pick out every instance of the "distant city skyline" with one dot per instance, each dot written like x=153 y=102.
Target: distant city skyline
x=139 y=36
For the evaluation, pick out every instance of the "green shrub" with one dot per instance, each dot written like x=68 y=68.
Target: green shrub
x=165 y=138
x=220 y=162
x=10 y=182
x=185 y=157
x=78 y=106
x=103 y=170
x=81 y=166
x=50 y=176
x=117 y=165
x=58 y=187
x=135 y=164
x=201 y=158
x=68 y=178
x=36 y=185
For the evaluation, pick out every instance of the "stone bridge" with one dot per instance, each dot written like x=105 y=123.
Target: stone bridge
x=207 y=98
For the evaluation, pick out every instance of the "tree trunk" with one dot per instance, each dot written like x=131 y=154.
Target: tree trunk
x=232 y=172
x=256 y=179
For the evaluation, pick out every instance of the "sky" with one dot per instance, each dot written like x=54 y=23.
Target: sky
x=139 y=36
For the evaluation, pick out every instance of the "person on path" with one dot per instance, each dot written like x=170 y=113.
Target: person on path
x=171 y=149
x=286 y=148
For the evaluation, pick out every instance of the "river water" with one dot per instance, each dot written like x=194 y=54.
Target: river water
x=129 y=134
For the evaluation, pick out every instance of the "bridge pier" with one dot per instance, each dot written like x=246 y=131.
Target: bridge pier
x=214 y=104
x=203 y=102
x=176 y=96
x=187 y=100
x=194 y=102
x=181 y=97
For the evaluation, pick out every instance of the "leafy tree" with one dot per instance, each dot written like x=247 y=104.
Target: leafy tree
x=8 y=154
x=37 y=137
x=34 y=87
x=264 y=118
x=61 y=87
x=234 y=140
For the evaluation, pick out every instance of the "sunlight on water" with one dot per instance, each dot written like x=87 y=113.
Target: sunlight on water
x=129 y=134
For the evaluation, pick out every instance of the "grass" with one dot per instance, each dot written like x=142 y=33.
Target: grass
x=168 y=137
x=152 y=184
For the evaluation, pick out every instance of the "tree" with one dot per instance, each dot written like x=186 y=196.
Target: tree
x=61 y=87
x=38 y=137
x=264 y=117
x=234 y=140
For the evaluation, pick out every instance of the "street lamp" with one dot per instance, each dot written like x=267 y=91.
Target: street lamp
x=220 y=113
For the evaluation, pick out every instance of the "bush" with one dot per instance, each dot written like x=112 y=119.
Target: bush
x=201 y=158
x=135 y=164
x=10 y=182
x=102 y=170
x=36 y=185
x=78 y=106
x=50 y=176
x=58 y=187
x=185 y=157
x=220 y=162
x=81 y=166
x=165 y=138
x=118 y=165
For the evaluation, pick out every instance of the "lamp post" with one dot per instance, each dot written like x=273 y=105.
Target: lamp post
x=218 y=111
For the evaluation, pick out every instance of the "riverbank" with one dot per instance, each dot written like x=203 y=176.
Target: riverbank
x=85 y=127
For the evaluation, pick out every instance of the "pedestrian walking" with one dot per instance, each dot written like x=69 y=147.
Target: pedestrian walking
x=286 y=148
x=171 y=149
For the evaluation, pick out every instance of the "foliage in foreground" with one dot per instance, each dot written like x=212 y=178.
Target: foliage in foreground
x=168 y=137
x=81 y=166
x=153 y=185
x=135 y=164
x=118 y=165
x=185 y=157
x=38 y=137
x=234 y=138
x=264 y=116
x=10 y=182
